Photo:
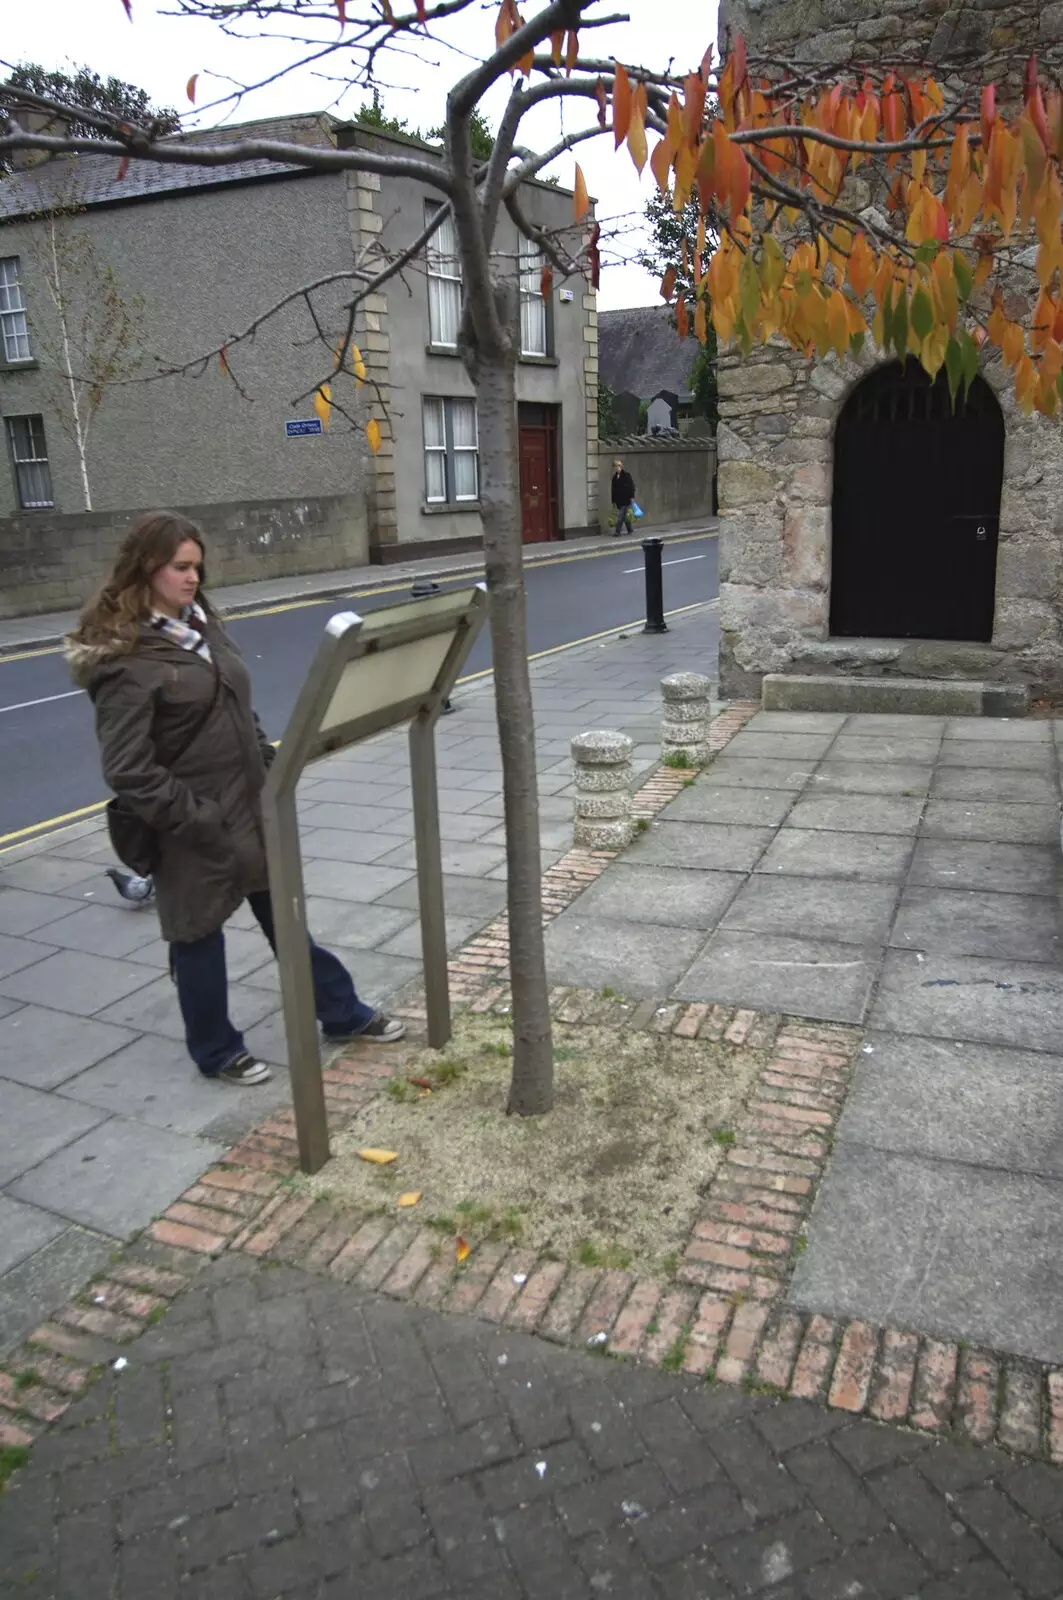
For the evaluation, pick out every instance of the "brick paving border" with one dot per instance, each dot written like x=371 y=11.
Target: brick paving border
x=723 y=1315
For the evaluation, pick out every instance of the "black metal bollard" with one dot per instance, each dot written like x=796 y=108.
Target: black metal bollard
x=422 y=588
x=655 y=623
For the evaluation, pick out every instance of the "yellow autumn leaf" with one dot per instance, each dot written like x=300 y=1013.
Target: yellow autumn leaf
x=580 y=198
x=323 y=403
x=358 y=364
x=379 y=1158
x=372 y=433
x=462 y=1248
x=409 y=1199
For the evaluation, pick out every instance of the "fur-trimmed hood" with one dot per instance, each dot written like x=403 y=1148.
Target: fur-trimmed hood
x=84 y=660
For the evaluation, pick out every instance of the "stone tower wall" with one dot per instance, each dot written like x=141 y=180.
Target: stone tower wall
x=778 y=412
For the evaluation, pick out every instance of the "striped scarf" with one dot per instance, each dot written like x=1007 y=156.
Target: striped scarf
x=186 y=631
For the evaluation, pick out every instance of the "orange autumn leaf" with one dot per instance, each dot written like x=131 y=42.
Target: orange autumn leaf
x=580 y=198
x=341 y=11
x=557 y=47
x=223 y=361
x=323 y=403
x=372 y=434
x=861 y=266
x=621 y=104
x=546 y=281
x=190 y=87
x=682 y=318
x=668 y=283
x=636 y=133
x=660 y=164
x=462 y=1249
x=376 y=1157
x=572 y=54
x=409 y=1199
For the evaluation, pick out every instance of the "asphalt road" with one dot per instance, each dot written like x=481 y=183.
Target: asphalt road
x=48 y=758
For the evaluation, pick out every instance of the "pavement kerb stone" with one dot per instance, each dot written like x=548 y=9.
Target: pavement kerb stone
x=723 y=1315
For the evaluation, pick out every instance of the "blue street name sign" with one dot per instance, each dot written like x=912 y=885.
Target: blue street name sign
x=298 y=430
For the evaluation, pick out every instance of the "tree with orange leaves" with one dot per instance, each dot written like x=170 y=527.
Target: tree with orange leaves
x=967 y=249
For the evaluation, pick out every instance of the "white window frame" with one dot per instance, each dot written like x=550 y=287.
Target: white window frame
x=29 y=454
x=448 y=450
x=532 y=262
x=14 y=329
x=444 y=278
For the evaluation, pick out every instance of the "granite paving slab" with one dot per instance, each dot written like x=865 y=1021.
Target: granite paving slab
x=42 y=1048
x=850 y=913
x=642 y=960
x=804 y=977
x=33 y=1124
x=662 y=895
x=814 y=853
x=884 y=1220
x=1005 y=1107
x=976 y=922
x=857 y=813
x=118 y=1176
x=967 y=997
x=1003 y=823
x=721 y=846
x=980 y=864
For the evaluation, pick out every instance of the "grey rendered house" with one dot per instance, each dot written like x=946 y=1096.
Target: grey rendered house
x=194 y=256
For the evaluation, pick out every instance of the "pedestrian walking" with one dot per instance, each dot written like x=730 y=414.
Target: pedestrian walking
x=186 y=757
x=623 y=499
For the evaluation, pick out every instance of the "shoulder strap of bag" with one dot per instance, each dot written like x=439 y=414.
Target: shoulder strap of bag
x=201 y=722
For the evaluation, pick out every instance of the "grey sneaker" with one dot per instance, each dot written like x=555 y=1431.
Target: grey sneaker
x=381 y=1029
x=245 y=1070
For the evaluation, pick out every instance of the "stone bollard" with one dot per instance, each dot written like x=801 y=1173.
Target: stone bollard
x=603 y=790
x=687 y=713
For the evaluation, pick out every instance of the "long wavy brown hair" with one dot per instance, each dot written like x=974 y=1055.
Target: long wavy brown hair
x=116 y=611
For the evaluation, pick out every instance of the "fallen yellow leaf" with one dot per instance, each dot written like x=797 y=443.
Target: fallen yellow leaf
x=410 y=1199
x=372 y=433
x=462 y=1249
x=380 y=1158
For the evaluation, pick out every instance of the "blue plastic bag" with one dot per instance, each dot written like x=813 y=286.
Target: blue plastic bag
x=637 y=509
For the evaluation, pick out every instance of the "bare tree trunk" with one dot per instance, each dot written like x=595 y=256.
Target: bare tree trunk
x=80 y=439
x=532 y=1085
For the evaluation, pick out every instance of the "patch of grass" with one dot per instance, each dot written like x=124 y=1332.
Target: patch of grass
x=675 y=1355
x=800 y=1245
x=12 y=1457
x=156 y=1314
x=725 y=1137
x=688 y=783
x=642 y=824
x=510 y=1225
x=449 y=1072
x=472 y=1213
x=607 y=992
x=754 y=1386
x=441 y=1224
x=653 y=1326
x=398 y=1089
x=503 y=1048
x=670 y=1264
x=26 y=1379
x=566 y=1053
x=609 y=1255
x=678 y=760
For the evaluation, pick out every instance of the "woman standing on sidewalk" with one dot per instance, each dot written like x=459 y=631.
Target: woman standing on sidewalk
x=184 y=752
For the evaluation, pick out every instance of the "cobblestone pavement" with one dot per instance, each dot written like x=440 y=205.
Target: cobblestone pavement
x=279 y=1434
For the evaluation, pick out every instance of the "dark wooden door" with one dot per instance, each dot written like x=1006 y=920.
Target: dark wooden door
x=538 y=473
x=916 y=509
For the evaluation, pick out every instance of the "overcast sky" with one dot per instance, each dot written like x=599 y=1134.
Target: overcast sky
x=161 y=53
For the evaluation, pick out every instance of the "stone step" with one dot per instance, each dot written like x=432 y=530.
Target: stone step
x=915 y=696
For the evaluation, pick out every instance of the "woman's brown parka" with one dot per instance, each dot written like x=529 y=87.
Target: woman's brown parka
x=205 y=804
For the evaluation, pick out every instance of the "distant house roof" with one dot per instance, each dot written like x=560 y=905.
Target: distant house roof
x=640 y=351
x=93 y=180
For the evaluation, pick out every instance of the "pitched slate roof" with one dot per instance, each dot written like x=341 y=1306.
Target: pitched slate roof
x=640 y=351
x=94 y=181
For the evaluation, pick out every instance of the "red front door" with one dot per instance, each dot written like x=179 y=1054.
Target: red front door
x=538 y=493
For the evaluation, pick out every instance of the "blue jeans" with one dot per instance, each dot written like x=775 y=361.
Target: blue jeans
x=625 y=517
x=203 y=993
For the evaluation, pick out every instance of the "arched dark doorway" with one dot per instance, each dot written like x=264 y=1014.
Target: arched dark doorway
x=916 y=508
